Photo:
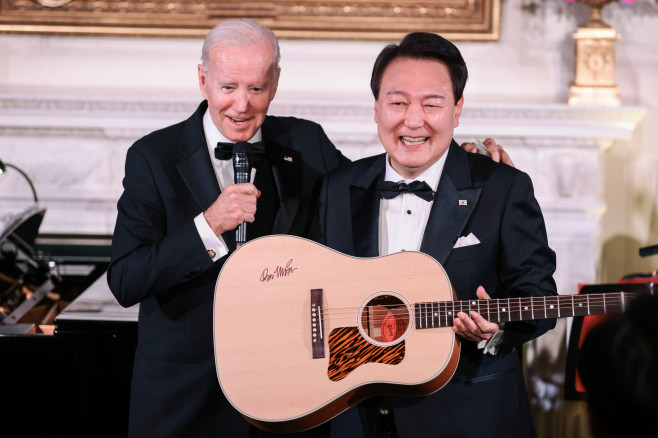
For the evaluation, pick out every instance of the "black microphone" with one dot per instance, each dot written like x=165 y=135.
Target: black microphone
x=242 y=174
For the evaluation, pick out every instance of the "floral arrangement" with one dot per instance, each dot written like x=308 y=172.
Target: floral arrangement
x=630 y=2
x=647 y=4
x=532 y=5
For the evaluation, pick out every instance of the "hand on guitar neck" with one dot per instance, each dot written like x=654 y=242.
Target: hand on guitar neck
x=473 y=326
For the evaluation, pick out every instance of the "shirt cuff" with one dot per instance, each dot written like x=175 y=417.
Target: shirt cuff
x=492 y=345
x=215 y=246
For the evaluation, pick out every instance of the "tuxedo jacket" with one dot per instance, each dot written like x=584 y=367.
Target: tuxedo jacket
x=496 y=204
x=159 y=261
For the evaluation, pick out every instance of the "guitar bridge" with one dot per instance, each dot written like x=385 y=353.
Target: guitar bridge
x=317 y=324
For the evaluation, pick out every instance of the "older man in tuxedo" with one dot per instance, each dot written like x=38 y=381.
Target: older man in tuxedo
x=176 y=218
x=478 y=218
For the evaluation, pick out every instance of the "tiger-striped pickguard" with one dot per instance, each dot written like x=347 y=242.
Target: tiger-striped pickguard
x=348 y=350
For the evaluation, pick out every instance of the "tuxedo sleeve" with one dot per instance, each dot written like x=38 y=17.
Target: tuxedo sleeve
x=153 y=251
x=526 y=262
x=332 y=159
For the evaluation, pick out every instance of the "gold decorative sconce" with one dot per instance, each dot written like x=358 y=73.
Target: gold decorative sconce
x=594 y=83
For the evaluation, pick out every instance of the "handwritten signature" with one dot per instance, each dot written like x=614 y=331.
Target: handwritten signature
x=279 y=271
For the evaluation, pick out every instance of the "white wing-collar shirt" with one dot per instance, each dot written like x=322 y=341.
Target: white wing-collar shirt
x=402 y=220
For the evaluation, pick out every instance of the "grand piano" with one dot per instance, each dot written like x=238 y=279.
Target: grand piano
x=66 y=346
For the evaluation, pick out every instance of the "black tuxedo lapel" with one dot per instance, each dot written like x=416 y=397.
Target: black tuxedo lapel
x=287 y=172
x=454 y=203
x=267 y=204
x=199 y=176
x=364 y=208
x=194 y=165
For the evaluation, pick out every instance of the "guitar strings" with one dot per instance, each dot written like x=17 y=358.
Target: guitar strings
x=496 y=306
x=508 y=303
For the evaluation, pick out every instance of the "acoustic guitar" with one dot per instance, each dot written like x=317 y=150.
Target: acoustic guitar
x=303 y=332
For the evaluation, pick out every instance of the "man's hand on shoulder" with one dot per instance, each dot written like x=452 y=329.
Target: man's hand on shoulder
x=495 y=151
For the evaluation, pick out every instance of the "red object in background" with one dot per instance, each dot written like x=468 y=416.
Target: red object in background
x=640 y=283
x=587 y=323
x=636 y=283
x=640 y=278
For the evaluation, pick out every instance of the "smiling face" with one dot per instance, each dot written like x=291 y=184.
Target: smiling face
x=239 y=85
x=416 y=114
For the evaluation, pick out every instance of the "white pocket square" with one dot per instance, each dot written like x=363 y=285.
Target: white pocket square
x=467 y=241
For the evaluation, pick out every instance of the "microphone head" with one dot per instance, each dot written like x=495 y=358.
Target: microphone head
x=241 y=162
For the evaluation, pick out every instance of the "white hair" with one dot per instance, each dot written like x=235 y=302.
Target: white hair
x=240 y=32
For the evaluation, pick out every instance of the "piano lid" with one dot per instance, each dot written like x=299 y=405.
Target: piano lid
x=24 y=225
x=97 y=303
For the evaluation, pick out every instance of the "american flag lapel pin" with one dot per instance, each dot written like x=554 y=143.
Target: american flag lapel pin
x=287 y=158
x=463 y=202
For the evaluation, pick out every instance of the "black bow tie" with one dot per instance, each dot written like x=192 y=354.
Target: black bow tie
x=390 y=189
x=224 y=151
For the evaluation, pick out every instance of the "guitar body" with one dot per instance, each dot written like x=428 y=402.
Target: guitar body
x=278 y=297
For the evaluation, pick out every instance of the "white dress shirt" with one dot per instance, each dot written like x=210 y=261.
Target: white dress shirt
x=402 y=220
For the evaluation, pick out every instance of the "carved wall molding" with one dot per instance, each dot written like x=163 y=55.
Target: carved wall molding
x=536 y=121
x=74 y=149
x=50 y=132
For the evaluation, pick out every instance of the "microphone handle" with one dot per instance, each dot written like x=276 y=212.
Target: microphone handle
x=242 y=174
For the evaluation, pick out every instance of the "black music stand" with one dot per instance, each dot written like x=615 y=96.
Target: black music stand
x=648 y=250
x=573 y=389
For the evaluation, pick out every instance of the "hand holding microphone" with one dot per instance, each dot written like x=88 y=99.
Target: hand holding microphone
x=237 y=202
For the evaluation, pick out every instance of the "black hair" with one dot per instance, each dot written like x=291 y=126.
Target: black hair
x=423 y=45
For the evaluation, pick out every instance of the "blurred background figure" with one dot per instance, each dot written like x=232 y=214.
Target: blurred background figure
x=619 y=369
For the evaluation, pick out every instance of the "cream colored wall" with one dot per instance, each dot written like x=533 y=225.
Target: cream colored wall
x=532 y=63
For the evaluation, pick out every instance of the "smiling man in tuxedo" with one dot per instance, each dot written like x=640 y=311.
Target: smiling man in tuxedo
x=478 y=218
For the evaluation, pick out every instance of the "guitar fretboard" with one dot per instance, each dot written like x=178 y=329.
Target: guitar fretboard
x=442 y=313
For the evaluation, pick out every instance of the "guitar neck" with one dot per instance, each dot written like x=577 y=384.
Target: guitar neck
x=442 y=313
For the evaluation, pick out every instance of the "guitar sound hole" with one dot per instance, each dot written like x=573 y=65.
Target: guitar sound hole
x=385 y=319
